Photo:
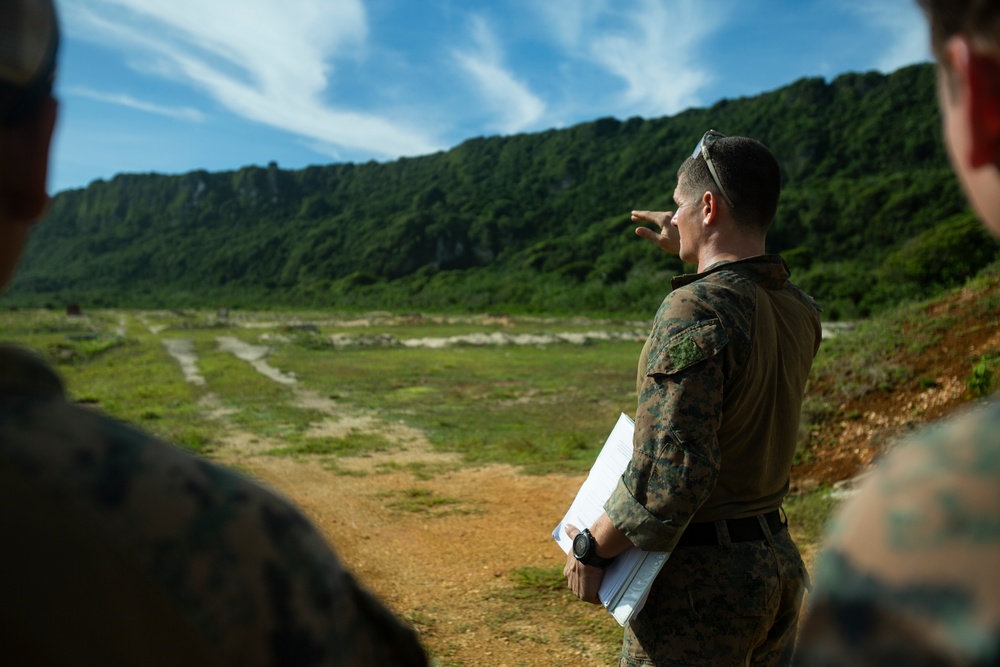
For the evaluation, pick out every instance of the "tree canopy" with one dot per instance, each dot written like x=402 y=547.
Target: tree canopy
x=870 y=214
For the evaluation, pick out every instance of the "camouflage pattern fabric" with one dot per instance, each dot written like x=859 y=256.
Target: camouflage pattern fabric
x=120 y=549
x=732 y=604
x=720 y=391
x=911 y=573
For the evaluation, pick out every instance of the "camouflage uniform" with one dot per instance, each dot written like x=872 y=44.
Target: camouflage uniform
x=911 y=574
x=119 y=549
x=720 y=389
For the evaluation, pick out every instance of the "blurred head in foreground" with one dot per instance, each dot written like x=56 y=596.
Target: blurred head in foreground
x=965 y=38
x=29 y=41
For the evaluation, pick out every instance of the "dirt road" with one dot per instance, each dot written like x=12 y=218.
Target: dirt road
x=443 y=548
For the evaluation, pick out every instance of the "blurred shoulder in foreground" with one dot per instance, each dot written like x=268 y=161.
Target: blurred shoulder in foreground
x=121 y=549
x=911 y=575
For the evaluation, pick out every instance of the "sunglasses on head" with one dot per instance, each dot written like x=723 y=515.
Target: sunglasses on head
x=707 y=140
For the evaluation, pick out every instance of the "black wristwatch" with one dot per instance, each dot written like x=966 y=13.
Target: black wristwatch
x=585 y=550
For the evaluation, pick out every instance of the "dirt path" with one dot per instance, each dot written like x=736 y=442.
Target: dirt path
x=182 y=349
x=440 y=548
x=444 y=567
x=437 y=569
x=441 y=571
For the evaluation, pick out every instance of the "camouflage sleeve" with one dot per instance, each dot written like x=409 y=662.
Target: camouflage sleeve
x=675 y=461
x=235 y=565
x=909 y=575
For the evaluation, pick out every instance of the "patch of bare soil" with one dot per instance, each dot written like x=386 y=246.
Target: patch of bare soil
x=433 y=539
x=441 y=570
x=937 y=386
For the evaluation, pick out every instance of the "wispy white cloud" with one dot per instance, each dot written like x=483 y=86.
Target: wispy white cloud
x=514 y=106
x=657 y=55
x=267 y=61
x=362 y=79
x=571 y=20
x=179 y=113
x=654 y=47
x=903 y=27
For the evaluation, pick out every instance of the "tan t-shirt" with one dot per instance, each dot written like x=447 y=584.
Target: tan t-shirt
x=720 y=387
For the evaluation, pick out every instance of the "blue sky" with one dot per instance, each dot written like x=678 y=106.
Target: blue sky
x=171 y=86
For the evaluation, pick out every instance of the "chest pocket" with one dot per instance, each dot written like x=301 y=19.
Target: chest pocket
x=687 y=347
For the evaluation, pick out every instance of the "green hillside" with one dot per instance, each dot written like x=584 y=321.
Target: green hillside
x=870 y=215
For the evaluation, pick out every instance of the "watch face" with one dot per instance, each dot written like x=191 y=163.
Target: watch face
x=580 y=545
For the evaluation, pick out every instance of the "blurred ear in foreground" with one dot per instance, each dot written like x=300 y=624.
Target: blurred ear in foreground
x=24 y=165
x=29 y=43
x=974 y=89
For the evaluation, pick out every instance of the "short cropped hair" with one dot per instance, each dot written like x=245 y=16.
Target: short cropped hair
x=977 y=19
x=749 y=173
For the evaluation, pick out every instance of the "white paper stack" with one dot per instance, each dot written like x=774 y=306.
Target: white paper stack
x=629 y=577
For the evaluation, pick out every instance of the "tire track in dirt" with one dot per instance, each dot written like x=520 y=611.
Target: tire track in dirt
x=442 y=570
x=446 y=570
x=182 y=350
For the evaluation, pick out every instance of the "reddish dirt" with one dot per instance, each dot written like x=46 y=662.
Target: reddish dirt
x=866 y=425
x=446 y=570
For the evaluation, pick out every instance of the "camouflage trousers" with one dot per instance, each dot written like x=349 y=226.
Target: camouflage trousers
x=729 y=604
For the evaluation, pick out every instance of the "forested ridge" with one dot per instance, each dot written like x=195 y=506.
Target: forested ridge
x=870 y=215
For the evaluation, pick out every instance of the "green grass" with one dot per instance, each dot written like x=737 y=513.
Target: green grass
x=877 y=357
x=419 y=469
x=872 y=356
x=331 y=465
x=354 y=443
x=533 y=592
x=131 y=378
x=866 y=359
x=426 y=502
x=982 y=378
x=259 y=405
x=24 y=325
x=517 y=326
x=532 y=581
x=546 y=409
x=809 y=513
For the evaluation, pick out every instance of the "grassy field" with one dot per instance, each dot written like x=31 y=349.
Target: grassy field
x=543 y=407
x=546 y=408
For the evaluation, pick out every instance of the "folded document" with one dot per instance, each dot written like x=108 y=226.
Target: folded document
x=630 y=575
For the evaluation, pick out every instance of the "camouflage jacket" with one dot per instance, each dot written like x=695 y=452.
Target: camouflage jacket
x=720 y=389
x=119 y=549
x=911 y=571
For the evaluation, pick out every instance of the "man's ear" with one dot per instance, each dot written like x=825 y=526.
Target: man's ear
x=25 y=168
x=709 y=209
x=977 y=85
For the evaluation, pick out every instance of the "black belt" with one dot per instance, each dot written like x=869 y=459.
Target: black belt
x=740 y=530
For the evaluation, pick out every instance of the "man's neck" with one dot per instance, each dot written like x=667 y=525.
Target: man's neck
x=730 y=252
